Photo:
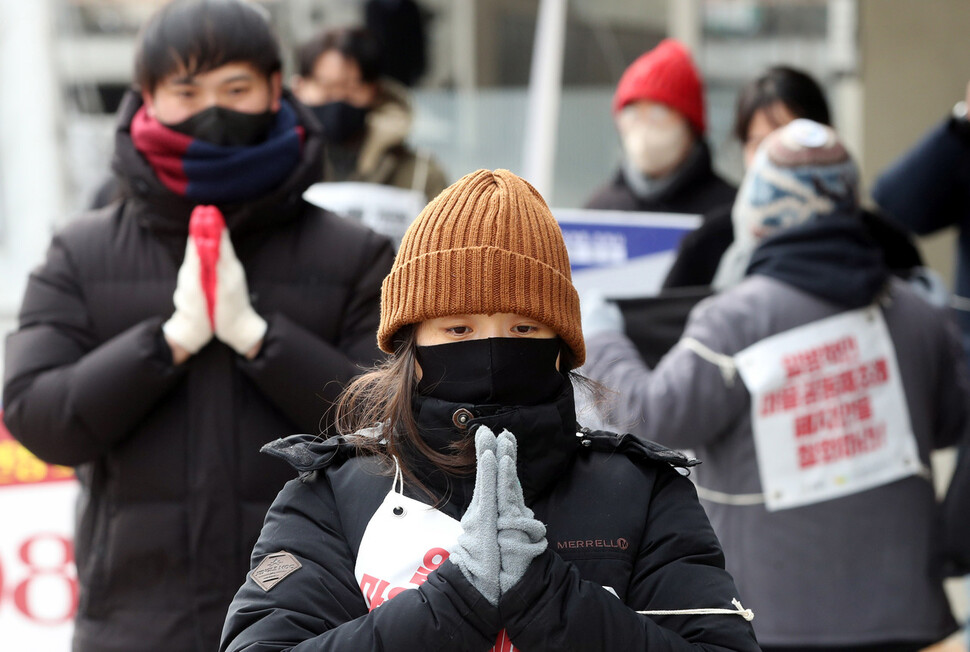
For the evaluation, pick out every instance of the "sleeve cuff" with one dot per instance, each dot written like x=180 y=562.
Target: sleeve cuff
x=527 y=592
x=475 y=608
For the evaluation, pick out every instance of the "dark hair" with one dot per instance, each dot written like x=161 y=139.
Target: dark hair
x=355 y=43
x=796 y=90
x=201 y=35
x=383 y=396
x=400 y=28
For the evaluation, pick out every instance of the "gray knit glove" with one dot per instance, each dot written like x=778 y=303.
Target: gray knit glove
x=521 y=538
x=477 y=553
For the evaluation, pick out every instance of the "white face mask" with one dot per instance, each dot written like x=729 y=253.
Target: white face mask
x=655 y=139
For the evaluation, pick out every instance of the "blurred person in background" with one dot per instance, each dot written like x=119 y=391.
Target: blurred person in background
x=400 y=26
x=815 y=460
x=772 y=100
x=928 y=189
x=366 y=118
x=170 y=334
x=659 y=113
x=658 y=109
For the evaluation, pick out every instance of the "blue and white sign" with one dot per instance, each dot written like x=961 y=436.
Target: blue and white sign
x=619 y=253
x=385 y=209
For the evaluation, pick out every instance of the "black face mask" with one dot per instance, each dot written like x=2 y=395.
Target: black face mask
x=226 y=127
x=341 y=121
x=497 y=370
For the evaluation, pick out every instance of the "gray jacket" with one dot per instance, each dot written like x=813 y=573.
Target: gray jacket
x=849 y=571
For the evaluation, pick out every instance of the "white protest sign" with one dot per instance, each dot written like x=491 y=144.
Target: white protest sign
x=38 y=579
x=619 y=253
x=404 y=541
x=828 y=411
x=386 y=209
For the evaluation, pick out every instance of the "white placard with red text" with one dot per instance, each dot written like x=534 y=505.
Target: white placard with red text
x=828 y=410
x=38 y=579
x=403 y=543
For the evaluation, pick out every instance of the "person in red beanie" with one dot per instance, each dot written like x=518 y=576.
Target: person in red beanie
x=658 y=108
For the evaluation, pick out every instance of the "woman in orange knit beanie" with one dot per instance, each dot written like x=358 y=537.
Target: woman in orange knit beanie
x=465 y=509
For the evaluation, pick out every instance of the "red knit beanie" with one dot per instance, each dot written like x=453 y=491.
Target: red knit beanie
x=665 y=74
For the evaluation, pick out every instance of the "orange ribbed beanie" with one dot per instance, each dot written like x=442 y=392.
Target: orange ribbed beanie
x=488 y=243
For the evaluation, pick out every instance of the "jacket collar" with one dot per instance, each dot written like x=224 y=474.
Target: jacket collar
x=830 y=257
x=546 y=435
x=388 y=125
x=160 y=209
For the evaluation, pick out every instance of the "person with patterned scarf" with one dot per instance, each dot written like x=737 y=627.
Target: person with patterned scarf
x=173 y=332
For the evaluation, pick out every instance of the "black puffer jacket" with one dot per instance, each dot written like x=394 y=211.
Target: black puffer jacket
x=174 y=489
x=617 y=513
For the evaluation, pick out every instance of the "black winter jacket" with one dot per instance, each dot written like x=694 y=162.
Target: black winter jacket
x=617 y=514
x=928 y=189
x=173 y=489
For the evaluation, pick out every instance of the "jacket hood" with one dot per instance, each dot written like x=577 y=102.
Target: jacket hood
x=546 y=435
x=548 y=442
x=388 y=125
x=160 y=209
x=830 y=257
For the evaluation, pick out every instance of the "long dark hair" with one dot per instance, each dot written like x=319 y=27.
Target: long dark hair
x=383 y=396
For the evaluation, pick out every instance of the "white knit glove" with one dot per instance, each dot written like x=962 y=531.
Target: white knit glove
x=189 y=326
x=236 y=322
x=599 y=315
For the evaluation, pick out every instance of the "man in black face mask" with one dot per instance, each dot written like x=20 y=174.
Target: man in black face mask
x=172 y=333
x=365 y=118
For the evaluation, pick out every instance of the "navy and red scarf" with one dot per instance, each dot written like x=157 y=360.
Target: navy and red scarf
x=215 y=174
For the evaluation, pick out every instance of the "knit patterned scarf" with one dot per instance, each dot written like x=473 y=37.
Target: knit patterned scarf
x=215 y=174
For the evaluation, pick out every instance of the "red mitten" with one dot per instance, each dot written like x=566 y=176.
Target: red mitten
x=205 y=229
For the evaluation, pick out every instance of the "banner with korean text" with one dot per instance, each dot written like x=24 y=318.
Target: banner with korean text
x=828 y=411
x=622 y=254
x=385 y=209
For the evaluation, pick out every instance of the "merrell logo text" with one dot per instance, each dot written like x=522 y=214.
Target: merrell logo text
x=573 y=544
